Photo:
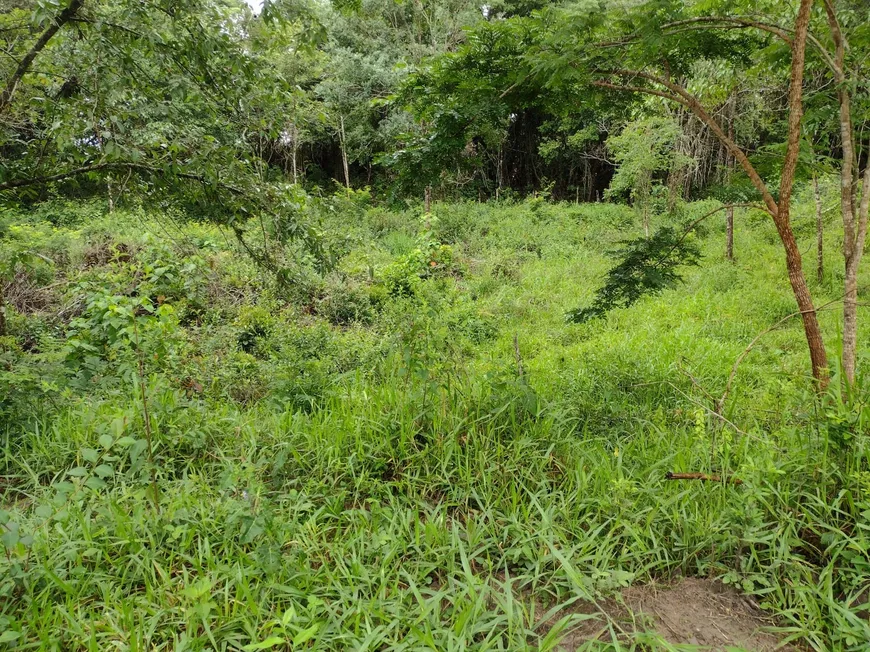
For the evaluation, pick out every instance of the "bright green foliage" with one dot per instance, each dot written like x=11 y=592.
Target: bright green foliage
x=394 y=480
x=240 y=410
x=160 y=100
x=643 y=149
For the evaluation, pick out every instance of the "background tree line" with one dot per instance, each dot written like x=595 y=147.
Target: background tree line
x=228 y=115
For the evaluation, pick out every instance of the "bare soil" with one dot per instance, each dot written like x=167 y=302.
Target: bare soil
x=704 y=614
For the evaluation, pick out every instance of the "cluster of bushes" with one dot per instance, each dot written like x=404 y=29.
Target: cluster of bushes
x=117 y=297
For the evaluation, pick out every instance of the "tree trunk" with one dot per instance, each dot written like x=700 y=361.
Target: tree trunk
x=854 y=216
x=815 y=342
x=65 y=16
x=676 y=181
x=729 y=164
x=3 y=330
x=294 y=134
x=820 y=233
x=818 y=354
x=729 y=234
x=850 y=318
x=644 y=191
x=344 y=154
x=850 y=303
x=779 y=211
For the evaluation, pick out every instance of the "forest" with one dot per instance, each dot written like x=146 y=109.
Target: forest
x=434 y=325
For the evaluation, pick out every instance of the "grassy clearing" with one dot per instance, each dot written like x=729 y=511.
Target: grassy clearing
x=353 y=460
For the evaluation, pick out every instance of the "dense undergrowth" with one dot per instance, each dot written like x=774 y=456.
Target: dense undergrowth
x=409 y=447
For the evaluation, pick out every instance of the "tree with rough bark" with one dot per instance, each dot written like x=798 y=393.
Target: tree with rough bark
x=849 y=69
x=646 y=61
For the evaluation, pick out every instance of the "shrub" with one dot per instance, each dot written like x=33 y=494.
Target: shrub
x=345 y=301
x=255 y=325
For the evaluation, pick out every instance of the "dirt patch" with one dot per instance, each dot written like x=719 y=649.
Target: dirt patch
x=701 y=613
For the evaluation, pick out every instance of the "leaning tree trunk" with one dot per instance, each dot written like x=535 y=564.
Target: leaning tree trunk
x=815 y=342
x=818 y=354
x=854 y=215
x=294 y=135
x=729 y=234
x=779 y=211
x=854 y=253
x=344 y=154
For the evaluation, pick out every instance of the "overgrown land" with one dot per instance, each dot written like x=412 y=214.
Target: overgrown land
x=415 y=325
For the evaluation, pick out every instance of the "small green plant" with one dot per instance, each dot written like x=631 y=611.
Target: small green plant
x=430 y=259
x=111 y=331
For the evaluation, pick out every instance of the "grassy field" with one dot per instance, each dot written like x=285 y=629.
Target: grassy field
x=411 y=448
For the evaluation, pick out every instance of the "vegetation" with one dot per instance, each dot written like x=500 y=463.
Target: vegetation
x=399 y=324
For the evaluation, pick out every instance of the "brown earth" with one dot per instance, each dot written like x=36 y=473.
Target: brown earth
x=704 y=614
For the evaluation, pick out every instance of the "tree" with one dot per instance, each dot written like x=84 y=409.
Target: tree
x=853 y=95
x=642 y=149
x=164 y=96
x=647 y=63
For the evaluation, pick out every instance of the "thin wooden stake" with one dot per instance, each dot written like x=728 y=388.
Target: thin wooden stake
x=519 y=356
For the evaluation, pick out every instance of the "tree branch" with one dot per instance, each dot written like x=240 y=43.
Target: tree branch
x=12 y=83
x=681 y=95
x=639 y=89
x=731 y=22
x=99 y=167
x=795 y=106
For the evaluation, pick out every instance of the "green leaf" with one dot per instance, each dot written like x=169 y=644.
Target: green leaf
x=43 y=511
x=78 y=472
x=306 y=634
x=104 y=470
x=95 y=483
x=106 y=441
x=269 y=643
x=90 y=455
x=9 y=635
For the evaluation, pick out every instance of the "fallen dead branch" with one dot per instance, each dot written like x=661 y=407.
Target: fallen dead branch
x=702 y=476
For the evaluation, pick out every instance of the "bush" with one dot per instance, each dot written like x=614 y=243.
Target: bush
x=254 y=325
x=345 y=302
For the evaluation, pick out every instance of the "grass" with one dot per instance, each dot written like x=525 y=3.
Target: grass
x=390 y=480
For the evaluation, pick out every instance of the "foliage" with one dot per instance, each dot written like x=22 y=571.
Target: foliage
x=647 y=266
x=253 y=396
x=312 y=451
x=643 y=149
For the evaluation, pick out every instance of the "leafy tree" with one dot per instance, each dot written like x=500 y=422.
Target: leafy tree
x=645 y=58
x=162 y=98
x=644 y=148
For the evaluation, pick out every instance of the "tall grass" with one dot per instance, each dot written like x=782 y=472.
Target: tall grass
x=425 y=494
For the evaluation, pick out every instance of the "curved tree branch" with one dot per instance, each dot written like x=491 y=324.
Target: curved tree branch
x=65 y=16
x=681 y=95
x=733 y=22
x=99 y=167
